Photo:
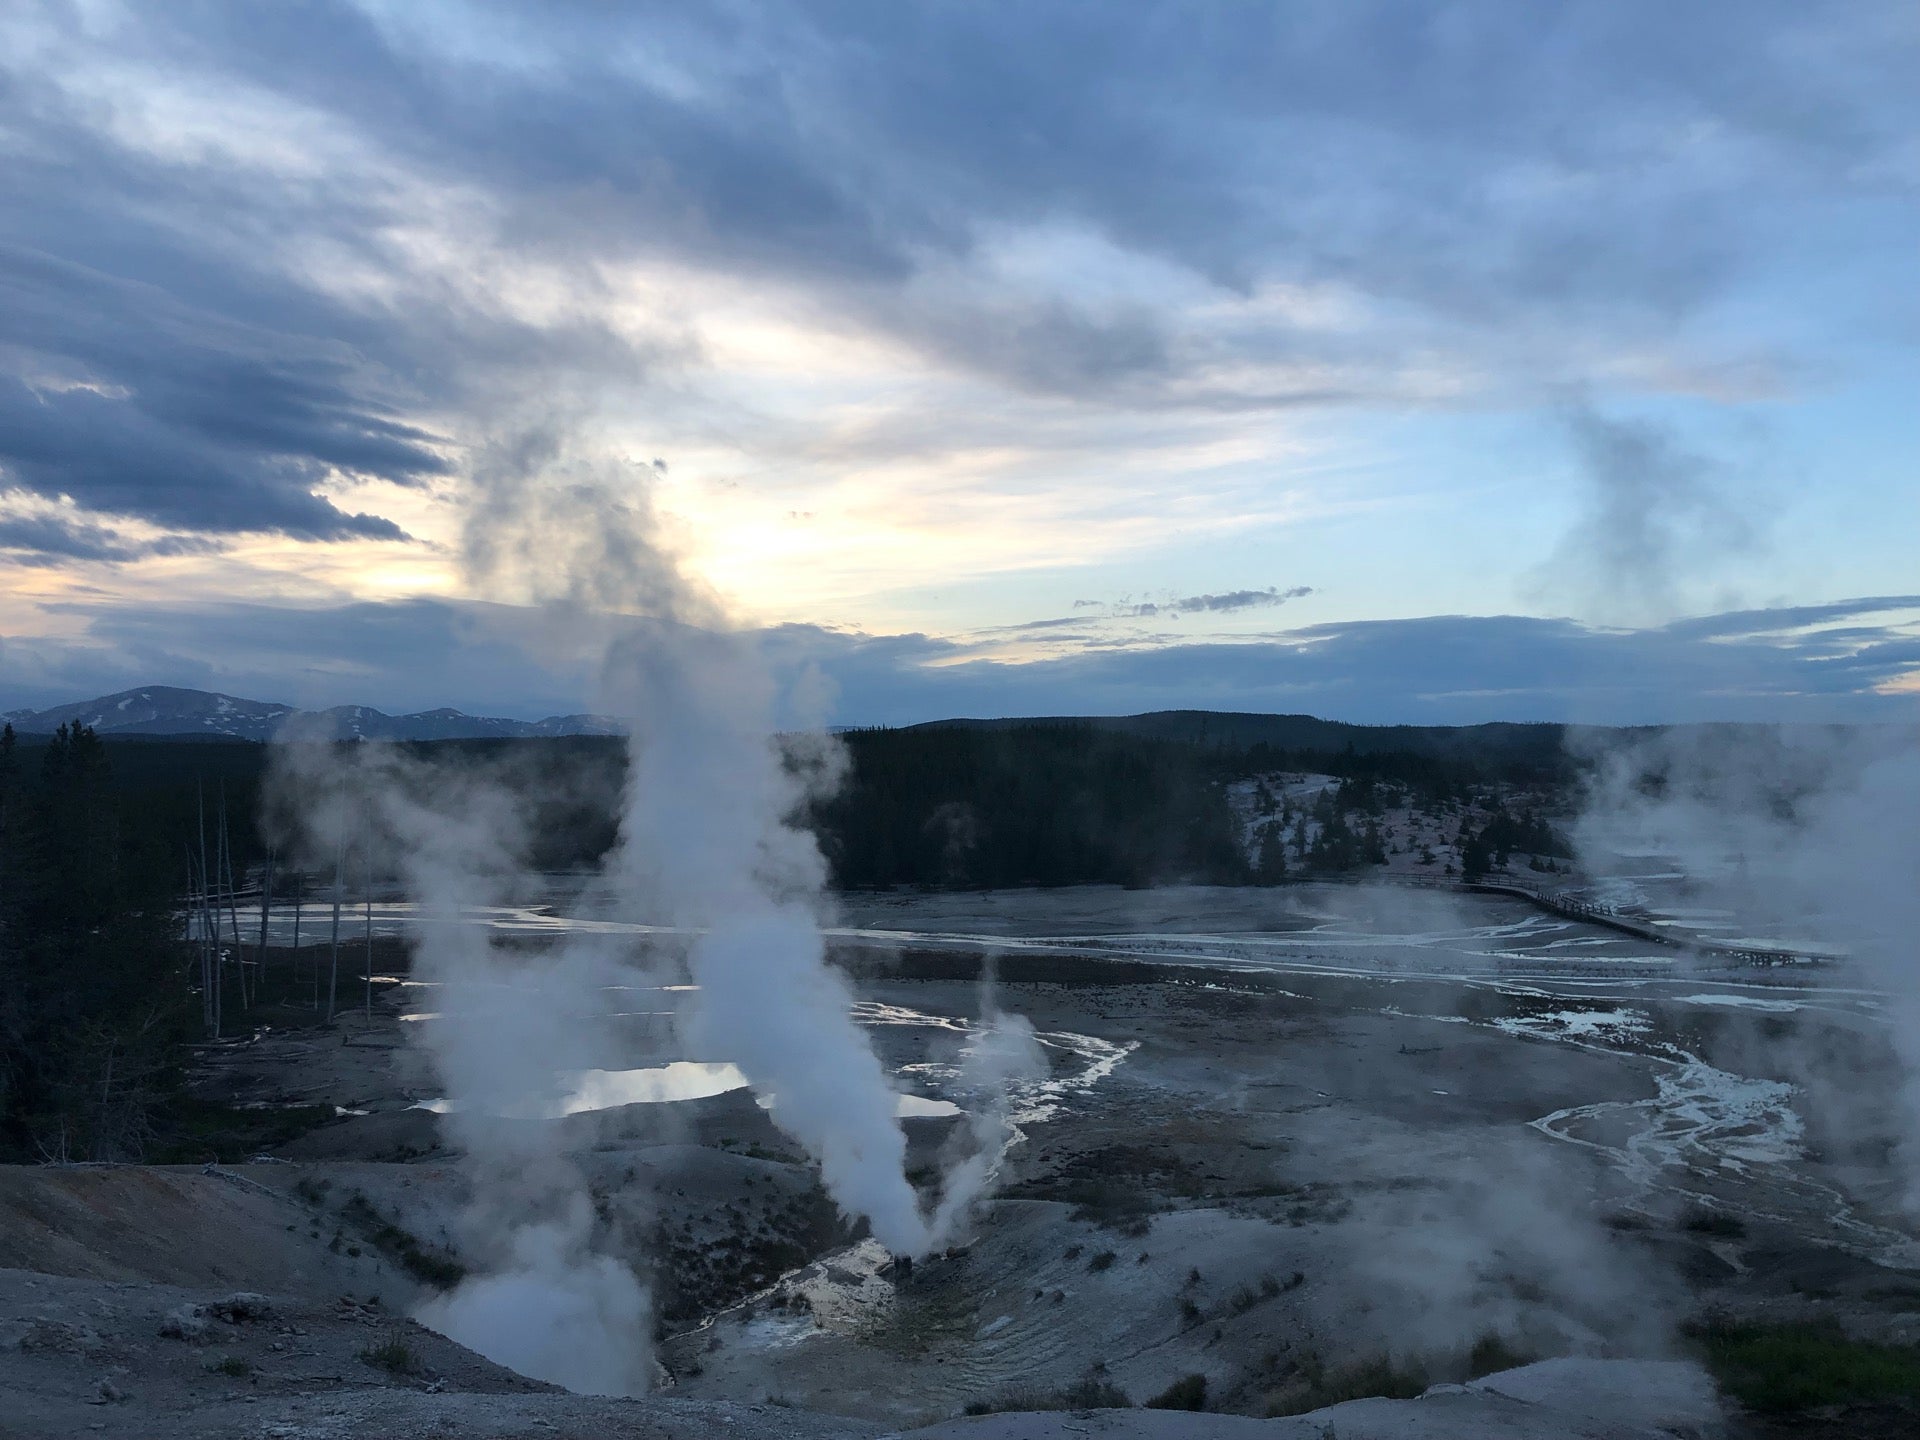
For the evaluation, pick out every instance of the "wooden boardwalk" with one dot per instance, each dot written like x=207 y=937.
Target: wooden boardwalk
x=1571 y=906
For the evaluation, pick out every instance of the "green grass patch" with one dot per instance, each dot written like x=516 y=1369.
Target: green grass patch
x=392 y=1355
x=1095 y=1392
x=1376 y=1376
x=430 y=1266
x=1492 y=1353
x=1189 y=1392
x=1781 y=1368
x=1310 y=1383
x=1718 y=1223
x=193 y=1132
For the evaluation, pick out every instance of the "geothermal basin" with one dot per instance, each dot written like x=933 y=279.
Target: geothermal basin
x=1280 y=1134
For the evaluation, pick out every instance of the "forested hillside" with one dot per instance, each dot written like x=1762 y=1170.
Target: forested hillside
x=1061 y=804
x=93 y=985
x=97 y=838
x=959 y=804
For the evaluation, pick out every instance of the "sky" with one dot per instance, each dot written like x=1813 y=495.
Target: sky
x=1390 y=362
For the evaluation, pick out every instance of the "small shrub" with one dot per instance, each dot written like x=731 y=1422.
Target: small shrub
x=1103 y=1261
x=1783 y=1368
x=1718 y=1223
x=1491 y=1354
x=435 y=1269
x=1366 y=1379
x=430 y=1266
x=1094 y=1392
x=392 y=1355
x=231 y=1365
x=1189 y=1392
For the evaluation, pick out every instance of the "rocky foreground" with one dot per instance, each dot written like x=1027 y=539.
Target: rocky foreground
x=83 y=1357
x=173 y=1302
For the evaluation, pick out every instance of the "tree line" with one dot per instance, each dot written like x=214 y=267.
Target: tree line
x=94 y=997
x=99 y=851
x=1044 y=804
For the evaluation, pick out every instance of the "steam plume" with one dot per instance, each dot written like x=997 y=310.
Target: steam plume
x=712 y=842
x=1002 y=1054
x=1811 y=833
x=549 y=1300
x=1655 y=514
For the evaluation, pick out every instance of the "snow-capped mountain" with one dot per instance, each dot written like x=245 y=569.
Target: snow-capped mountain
x=168 y=710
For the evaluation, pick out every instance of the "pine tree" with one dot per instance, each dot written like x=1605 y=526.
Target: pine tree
x=1474 y=856
x=1272 y=868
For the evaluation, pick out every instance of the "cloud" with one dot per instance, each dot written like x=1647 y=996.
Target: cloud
x=1789 y=617
x=1033 y=193
x=258 y=256
x=1092 y=612
x=492 y=659
x=1233 y=600
x=135 y=404
x=1434 y=670
x=193 y=339
x=41 y=536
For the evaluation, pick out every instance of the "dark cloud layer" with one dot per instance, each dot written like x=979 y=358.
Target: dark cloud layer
x=1441 y=669
x=1508 y=186
x=1088 y=614
x=136 y=404
x=47 y=540
x=1228 y=601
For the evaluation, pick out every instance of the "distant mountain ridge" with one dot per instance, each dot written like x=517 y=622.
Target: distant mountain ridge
x=166 y=710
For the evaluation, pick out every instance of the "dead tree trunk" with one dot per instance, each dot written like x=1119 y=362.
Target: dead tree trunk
x=339 y=879
x=299 y=900
x=208 y=939
x=233 y=905
x=266 y=905
x=198 y=921
x=368 y=875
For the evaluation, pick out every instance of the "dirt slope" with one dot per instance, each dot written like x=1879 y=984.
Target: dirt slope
x=179 y=1225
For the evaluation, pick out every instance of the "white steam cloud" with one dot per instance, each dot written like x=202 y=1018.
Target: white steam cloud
x=548 y=1299
x=713 y=844
x=1811 y=836
x=1002 y=1055
x=555 y=1310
